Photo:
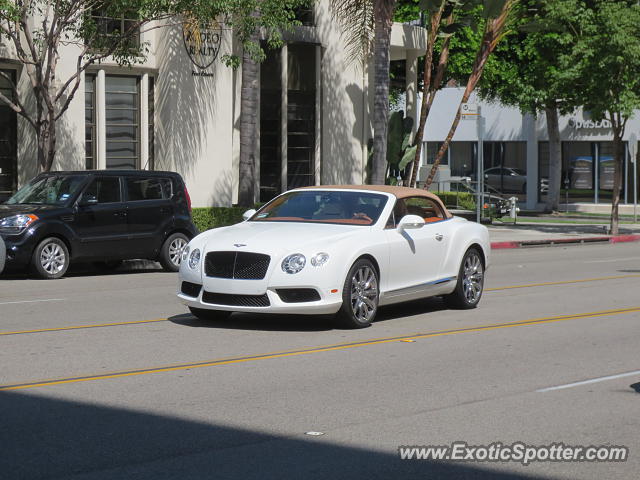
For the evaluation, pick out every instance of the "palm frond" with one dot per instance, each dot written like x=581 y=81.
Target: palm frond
x=355 y=18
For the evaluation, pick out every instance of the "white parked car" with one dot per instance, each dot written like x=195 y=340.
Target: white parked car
x=341 y=250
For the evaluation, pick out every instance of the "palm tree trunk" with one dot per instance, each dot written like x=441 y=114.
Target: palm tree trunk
x=430 y=86
x=555 y=158
x=383 y=12
x=493 y=32
x=471 y=85
x=249 y=97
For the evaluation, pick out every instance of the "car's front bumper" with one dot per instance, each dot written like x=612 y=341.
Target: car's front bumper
x=19 y=249
x=329 y=302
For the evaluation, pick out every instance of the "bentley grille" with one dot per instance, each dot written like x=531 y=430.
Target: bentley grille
x=238 y=265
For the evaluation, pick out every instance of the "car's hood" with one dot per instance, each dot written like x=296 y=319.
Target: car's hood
x=17 y=209
x=272 y=237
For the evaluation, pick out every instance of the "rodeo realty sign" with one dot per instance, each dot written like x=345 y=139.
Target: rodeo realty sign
x=589 y=124
x=202 y=43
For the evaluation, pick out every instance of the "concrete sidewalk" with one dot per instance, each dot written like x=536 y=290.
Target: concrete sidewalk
x=528 y=234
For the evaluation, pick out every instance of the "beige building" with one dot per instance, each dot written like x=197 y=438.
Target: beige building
x=180 y=110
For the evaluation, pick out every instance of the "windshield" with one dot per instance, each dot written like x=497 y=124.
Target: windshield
x=339 y=207
x=48 y=190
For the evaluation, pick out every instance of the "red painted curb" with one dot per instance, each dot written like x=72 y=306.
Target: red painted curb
x=625 y=238
x=560 y=241
x=498 y=245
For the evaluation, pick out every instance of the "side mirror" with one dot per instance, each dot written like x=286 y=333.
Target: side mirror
x=410 y=222
x=248 y=214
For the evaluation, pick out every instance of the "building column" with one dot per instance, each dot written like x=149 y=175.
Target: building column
x=144 y=122
x=101 y=121
x=411 y=92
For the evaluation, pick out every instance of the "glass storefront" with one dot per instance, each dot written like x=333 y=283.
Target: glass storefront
x=505 y=167
x=582 y=181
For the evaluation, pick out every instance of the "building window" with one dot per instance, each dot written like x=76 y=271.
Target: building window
x=581 y=181
x=432 y=151
x=110 y=29
x=463 y=159
x=305 y=15
x=122 y=106
x=8 y=139
x=505 y=167
x=90 y=121
x=301 y=115
x=270 y=123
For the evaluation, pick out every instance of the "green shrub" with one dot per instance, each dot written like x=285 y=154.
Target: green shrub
x=206 y=218
x=458 y=200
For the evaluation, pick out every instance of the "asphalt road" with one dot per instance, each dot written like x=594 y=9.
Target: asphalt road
x=107 y=377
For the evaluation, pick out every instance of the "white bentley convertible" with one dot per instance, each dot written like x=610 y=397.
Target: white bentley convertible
x=341 y=250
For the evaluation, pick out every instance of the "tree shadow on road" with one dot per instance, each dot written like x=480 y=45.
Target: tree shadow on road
x=45 y=437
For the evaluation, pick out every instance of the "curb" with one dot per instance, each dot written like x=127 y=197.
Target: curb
x=562 y=241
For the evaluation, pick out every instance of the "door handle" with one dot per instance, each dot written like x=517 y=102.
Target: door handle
x=120 y=214
x=439 y=237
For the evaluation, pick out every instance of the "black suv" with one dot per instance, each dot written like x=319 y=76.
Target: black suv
x=102 y=216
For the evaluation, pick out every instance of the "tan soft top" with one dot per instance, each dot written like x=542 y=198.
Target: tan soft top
x=398 y=192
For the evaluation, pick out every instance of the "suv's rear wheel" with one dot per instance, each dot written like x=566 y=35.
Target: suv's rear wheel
x=171 y=251
x=50 y=258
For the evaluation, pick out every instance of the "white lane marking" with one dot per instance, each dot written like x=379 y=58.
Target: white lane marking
x=608 y=260
x=587 y=382
x=35 y=301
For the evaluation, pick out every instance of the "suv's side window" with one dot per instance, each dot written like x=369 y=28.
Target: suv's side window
x=102 y=190
x=148 y=188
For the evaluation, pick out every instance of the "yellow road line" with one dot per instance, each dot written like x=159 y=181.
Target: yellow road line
x=566 y=282
x=327 y=348
x=135 y=322
x=76 y=327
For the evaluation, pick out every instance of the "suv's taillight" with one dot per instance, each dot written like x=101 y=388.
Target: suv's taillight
x=186 y=194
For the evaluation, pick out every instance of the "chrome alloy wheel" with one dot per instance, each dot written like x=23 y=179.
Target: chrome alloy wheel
x=473 y=278
x=364 y=293
x=175 y=250
x=52 y=258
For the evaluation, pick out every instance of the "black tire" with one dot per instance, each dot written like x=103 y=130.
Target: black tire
x=470 y=282
x=205 y=314
x=360 y=295
x=50 y=259
x=171 y=251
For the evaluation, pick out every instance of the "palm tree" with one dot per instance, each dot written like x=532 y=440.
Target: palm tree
x=497 y=14
x=249 y=98
x=359 y=18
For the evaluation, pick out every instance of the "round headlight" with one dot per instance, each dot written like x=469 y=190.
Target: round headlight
x=185 y=253
x=319 y=259
x=294 y=263
x=194 y=259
